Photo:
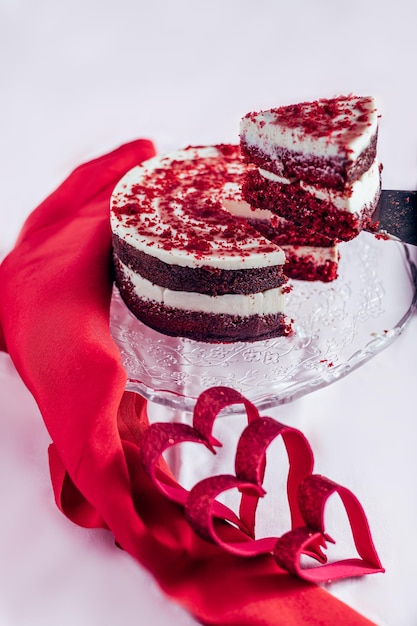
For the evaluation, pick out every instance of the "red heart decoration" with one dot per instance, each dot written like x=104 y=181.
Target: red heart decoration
x=313 y=494
x=307 y=493
x=161 y=436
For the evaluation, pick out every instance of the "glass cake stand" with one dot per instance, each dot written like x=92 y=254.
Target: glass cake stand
x=338 y=327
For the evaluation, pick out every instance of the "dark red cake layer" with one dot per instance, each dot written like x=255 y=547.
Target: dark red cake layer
x=208 y=280
x=288 y=233
x=334 y=172
x=294 y=203
x=307 y=268
x=207 y=327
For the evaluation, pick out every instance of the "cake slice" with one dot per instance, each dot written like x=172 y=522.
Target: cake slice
x=316 y=163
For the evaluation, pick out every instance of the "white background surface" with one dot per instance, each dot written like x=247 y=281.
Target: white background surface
x=79 y=78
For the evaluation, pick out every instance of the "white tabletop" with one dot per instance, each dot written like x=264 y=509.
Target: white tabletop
x=79 y=78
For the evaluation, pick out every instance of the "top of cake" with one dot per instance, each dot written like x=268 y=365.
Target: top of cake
x=341 y=126
x=170 y=207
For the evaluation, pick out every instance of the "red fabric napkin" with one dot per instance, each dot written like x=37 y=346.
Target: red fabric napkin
x=54 y=309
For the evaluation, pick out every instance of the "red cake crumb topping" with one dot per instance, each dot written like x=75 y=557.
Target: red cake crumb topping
x=177 y=206
x=335 y=118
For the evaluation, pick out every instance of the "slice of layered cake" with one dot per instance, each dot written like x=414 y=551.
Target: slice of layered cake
x=316 y=163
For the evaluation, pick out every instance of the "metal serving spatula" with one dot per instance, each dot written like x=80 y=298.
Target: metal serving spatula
x=397 y=215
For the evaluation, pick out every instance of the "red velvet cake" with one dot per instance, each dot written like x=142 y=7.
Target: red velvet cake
x=184 y=264
x=316 y=163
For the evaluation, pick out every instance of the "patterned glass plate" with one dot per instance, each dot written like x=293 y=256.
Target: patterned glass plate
x=338 y=327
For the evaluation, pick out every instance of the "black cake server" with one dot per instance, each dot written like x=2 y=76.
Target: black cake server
x=396 y=215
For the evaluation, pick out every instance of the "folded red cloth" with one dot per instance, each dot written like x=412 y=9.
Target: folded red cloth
x=55 y=297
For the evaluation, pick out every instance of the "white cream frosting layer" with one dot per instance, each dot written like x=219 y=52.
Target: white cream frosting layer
x=275 y=178
x=264 y=131
x=263 y=303
x=319 y=255
x=148 y=231
x=353 y=200
x=231 y=199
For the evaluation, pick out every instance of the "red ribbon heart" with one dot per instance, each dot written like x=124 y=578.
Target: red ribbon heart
x=313 y=494
x=307 y=493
